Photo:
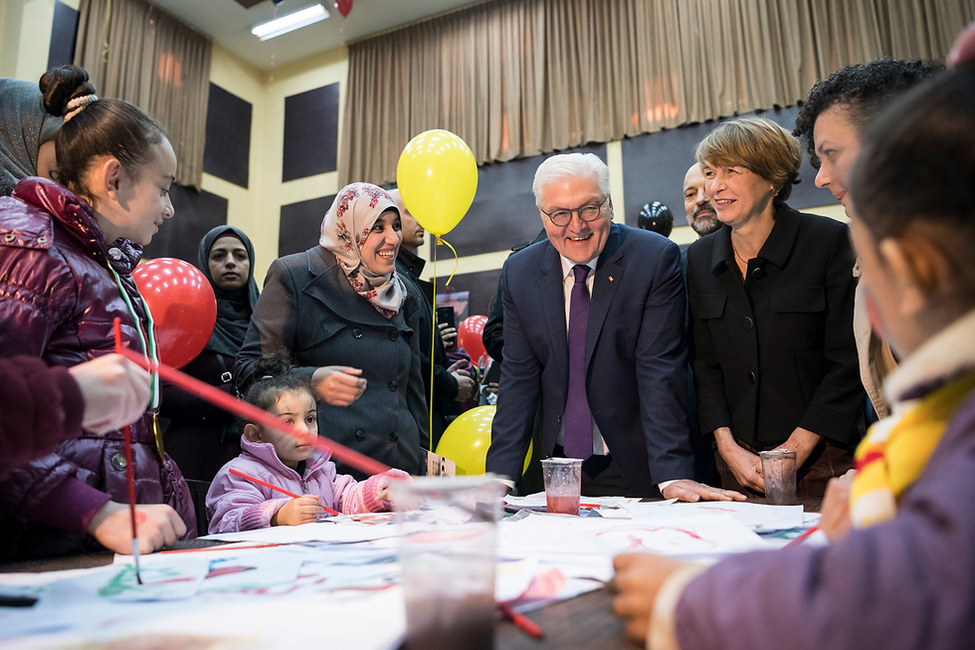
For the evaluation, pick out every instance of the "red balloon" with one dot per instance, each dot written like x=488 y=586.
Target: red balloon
x=469 y=337
x=344 y=7
x=182 y=305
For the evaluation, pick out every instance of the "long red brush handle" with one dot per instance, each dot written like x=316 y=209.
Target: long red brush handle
x=129 y=466
x=251 y=413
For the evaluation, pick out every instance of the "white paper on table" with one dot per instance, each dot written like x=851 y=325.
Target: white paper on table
x=367 y=620
x=345 y=533
x=757 y=516
x=698 y=535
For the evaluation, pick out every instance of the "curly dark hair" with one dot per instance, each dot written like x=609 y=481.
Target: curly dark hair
x=273 y=377
x=862 y=89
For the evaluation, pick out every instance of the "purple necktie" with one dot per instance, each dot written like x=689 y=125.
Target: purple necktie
x=578 y=417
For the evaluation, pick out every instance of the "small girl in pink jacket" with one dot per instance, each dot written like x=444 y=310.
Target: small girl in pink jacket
x=235 y=503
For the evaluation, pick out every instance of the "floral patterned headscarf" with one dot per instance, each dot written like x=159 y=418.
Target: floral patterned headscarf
x=345 y=228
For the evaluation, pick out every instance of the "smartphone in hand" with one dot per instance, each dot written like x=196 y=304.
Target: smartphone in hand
x=446 y=315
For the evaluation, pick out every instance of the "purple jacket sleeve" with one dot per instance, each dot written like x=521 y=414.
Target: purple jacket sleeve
x=903 y=584
x=235 y=504
x=39 y=407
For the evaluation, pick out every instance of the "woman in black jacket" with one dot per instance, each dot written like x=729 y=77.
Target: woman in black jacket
x=771 y=297
x=200 y=436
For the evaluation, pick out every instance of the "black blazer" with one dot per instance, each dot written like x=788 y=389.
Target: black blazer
x=776 y=352
x=635 y=356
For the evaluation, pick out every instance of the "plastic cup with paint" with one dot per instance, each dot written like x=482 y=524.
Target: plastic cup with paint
x=563 y=484
x=779 y=472
x=447 y=553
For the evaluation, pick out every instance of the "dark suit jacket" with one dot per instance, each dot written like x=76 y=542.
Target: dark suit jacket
x=777 y=351
x=309 y=307
x=634 y=353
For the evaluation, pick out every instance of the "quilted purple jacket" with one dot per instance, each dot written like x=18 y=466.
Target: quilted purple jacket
x=58 y=301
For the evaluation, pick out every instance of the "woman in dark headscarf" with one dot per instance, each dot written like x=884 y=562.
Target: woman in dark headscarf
x=199 y=436
x=26 y=134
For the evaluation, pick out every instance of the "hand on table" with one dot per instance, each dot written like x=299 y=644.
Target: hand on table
x=115 y=391
x=157 y=525
x=465 y=385
x=688 y=490
x=836 y=522
x=303 y=510
x=448 y=335
x=639 y=577
x=339 y=385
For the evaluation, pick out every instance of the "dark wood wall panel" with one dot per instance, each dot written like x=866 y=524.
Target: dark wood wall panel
x=64 y=31
x=196 y=214
x=311 y=127
x=483 y=286
x=301 y=224
x=503 y=213
x=654 y=165
x=228 y=144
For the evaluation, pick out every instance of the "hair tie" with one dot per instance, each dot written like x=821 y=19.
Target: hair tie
x=77 y=105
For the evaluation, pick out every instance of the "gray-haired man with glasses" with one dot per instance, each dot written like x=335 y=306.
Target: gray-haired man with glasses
x=593 y=328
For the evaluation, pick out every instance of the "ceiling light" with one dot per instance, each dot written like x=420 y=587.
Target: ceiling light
x=290 y=22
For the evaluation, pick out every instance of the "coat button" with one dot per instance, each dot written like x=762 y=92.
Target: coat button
x=393 y=335
x=747 y=322
x=393 y=385
x=360 y=434
x=752 y=377
x=356 y=333
x=394 y=436
x=118 y=462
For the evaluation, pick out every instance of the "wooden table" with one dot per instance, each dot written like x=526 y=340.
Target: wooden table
x=585 y=621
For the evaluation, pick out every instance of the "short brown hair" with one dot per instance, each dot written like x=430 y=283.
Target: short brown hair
x=757 y=144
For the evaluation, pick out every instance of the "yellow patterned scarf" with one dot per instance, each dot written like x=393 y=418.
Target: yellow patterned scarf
x=896 y=450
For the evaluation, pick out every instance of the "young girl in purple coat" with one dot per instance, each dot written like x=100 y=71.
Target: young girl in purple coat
x=236 y=503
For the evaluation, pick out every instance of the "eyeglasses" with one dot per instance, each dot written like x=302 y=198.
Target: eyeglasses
x=586 y=213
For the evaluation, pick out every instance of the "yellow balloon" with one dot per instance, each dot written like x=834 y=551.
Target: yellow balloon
x=437 y=179
x=467 y=439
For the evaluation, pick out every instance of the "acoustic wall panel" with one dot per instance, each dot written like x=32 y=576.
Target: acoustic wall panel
x=228 y=144
x=64 y=31
x=196 y=214
x=301 y=223
x=311 y=127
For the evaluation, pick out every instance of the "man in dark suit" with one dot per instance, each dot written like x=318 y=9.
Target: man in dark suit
x=600 y=343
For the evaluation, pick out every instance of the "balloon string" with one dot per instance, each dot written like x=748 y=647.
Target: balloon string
x=456 y=259
x=434 y=331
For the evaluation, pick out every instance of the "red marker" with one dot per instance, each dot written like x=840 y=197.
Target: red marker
x=802 y=538
x=521 y=621
x=275 y=487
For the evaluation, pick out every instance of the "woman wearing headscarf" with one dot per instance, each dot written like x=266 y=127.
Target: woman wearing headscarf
x=27 y=134
x=199 y=436
x=349 y=323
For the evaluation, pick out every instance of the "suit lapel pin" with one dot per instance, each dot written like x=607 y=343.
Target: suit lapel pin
x=610 y=278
